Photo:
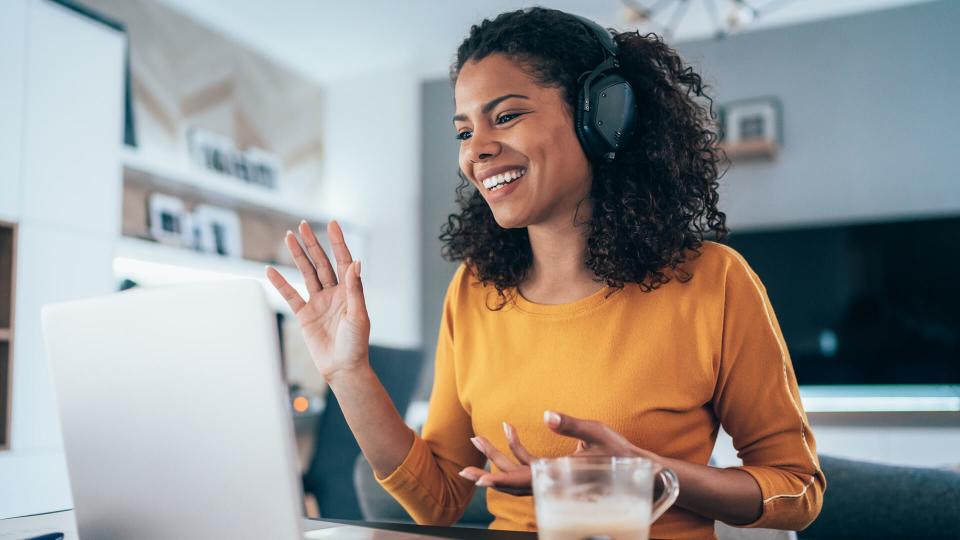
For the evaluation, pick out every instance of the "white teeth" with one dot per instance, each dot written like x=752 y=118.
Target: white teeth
x=496 y=182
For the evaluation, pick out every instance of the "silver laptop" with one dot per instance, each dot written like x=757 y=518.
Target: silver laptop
x=176 y=421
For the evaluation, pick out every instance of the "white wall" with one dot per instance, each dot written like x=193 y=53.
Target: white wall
x=66 y=73
x=869 y=117
x=371 y=179
x=13 y=43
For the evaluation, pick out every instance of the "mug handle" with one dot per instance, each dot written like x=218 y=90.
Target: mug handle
x=671 y=489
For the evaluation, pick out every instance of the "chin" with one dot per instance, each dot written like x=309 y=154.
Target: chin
x=509 y=221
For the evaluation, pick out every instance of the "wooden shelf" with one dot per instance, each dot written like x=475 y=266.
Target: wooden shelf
x=212 y=187
x=154 y=264
x=8 y=280
x=751 y=149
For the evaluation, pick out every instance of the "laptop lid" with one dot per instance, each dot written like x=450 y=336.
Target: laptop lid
x=176 y=421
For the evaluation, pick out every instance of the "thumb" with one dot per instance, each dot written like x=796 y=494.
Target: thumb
x=588 y=431
x=356 y=304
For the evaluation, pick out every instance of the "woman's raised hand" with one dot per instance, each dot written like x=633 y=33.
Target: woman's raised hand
x=334 y=319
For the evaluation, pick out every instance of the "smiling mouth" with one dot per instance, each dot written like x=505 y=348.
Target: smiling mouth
x=497 y=181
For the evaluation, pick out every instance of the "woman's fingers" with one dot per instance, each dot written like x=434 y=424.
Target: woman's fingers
x=356 y=302
x=472 y=473
x=304 y=264
x=319 y=257
x=516 y=482
x=593 y=434
x=513 y=483
x=497 y=457
x=520 y=451
x=339 y=246
x=285 y=289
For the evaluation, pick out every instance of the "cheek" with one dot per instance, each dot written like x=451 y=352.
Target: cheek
x=463 y=162
x=565 y=152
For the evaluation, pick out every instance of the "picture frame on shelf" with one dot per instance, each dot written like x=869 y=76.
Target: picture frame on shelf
x=170 y=222
x=751 y=128
x=217 y=231
x=219 y=154
x=262 y=167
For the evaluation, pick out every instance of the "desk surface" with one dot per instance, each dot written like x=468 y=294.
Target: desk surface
x=442 y=532
x=64 y=521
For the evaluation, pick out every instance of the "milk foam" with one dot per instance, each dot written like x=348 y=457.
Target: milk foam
x=616 y=518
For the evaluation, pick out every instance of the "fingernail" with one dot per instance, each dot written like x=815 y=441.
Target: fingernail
x=507 y=431
x=303 y=222
x=551 y=418
x=484 y=482
x=358 y=268
x=476 y=442
x=465 y=474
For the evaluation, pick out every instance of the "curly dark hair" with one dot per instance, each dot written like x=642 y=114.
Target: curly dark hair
x=652 y=206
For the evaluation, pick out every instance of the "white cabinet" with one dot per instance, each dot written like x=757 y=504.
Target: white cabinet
x=53 y=265
x=73 y=120
x=62 y=85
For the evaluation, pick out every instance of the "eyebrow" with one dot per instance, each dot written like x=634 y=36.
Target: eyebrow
x=490 y=105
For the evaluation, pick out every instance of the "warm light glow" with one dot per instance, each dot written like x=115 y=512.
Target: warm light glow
x=301 y=404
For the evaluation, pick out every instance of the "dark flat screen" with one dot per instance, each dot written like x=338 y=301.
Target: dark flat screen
x=865 y=304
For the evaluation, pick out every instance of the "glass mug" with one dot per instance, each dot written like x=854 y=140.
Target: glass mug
x=599 y=498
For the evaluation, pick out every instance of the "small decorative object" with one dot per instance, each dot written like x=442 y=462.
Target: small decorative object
x=169 y=220
x=218 y=153
x=751 y=128
x=217 y=230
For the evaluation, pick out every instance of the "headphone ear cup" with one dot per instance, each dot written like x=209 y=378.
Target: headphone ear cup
x=606 y=113
x=615 y=110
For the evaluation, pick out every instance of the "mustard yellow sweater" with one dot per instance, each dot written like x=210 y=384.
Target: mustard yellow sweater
x=666 y=369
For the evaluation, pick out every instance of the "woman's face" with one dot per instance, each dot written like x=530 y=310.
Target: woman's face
x=520 y=135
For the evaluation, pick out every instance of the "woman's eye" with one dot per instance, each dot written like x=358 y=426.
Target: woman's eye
x=463 y=135
x=502 y=119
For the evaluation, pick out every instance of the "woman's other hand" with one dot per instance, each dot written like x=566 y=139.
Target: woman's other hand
x=593 y=439
x=334 y=319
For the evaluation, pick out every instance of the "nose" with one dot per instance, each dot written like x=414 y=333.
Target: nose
x=481 y=146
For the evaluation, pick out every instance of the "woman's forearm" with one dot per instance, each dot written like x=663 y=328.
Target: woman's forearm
x=379 y=429
x=728 y=495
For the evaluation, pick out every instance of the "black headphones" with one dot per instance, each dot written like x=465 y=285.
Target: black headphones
x=606 y=113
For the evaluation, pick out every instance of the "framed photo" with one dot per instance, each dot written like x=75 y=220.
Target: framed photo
x=218 y=153
x=261 y=167
x=217 y=230
x=751 y=128
x=169 y=220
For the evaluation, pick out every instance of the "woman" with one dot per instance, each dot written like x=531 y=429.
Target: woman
x=590 y=315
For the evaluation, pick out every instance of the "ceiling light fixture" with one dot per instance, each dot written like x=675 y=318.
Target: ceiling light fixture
x=740 y=14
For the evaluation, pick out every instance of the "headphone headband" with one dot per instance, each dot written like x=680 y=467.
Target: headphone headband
x=602 y=35
x=606 y=106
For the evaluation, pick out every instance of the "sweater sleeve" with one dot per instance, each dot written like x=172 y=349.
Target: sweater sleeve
x=427 y=483
x=758 y=404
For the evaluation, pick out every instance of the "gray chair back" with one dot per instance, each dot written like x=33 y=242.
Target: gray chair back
x=869 y=500
x=377 y=505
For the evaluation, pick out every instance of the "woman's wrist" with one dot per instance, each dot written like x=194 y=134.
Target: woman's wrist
x=646 y=454
x=348 y=376
x=717 y=493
